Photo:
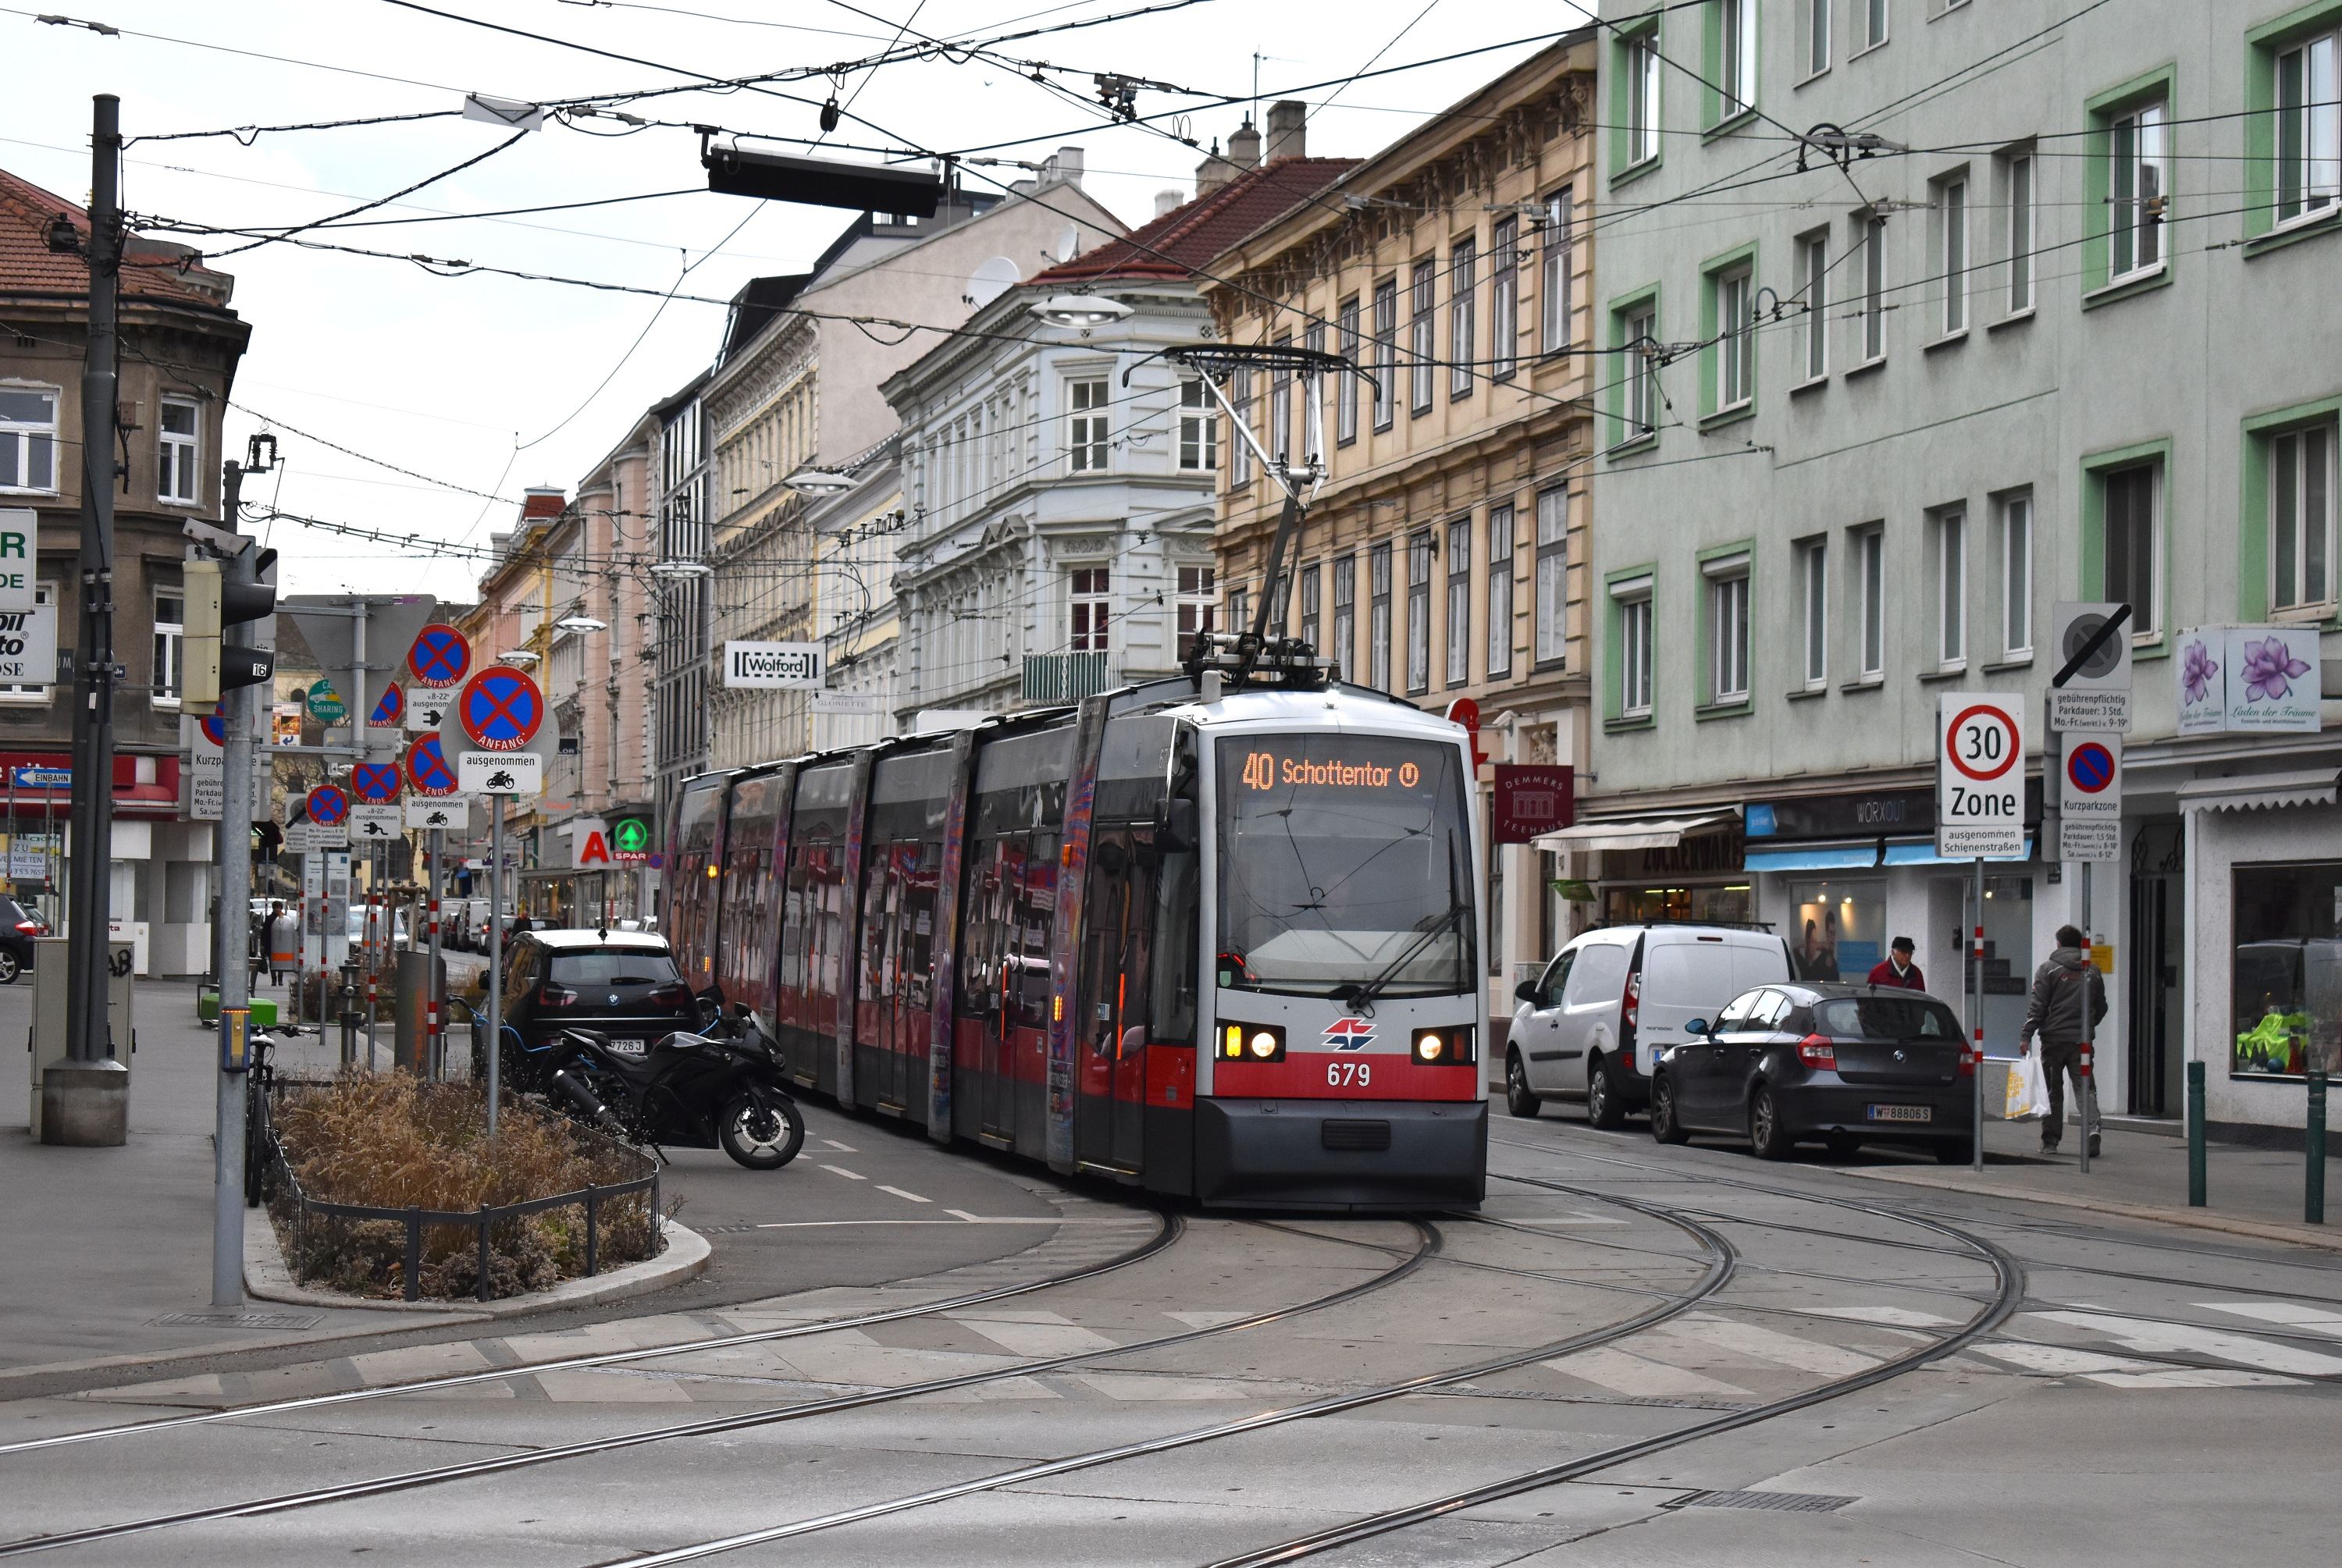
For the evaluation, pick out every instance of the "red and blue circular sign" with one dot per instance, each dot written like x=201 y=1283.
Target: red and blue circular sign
x=391 y=709
x=2091 y=767
x=428 y=769
x=500 y=709
x=440 y=656
x=328 y=806
x=376 y=784
x=215 y=730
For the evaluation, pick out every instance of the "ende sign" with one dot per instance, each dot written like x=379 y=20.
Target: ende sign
x=772 y=666
x=20 y=544
x=1980 y=779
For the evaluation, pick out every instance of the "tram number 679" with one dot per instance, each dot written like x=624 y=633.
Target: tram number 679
x=1349 y=1075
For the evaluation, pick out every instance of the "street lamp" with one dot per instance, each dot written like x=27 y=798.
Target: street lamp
x=819 y=482
x=681 y=571
x=519 y=656
x=1080 y=310
x=580 y=623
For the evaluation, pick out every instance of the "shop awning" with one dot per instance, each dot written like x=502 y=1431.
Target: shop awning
x=1643 y=832
x=2256 y=792
x=1812 y=857
x=1922 y=852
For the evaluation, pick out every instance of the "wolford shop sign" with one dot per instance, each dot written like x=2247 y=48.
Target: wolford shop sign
x=772 y=666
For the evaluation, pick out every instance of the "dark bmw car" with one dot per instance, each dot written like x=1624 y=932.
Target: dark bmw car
x=1839 y=1065
x=18 y=926
x=621 y=983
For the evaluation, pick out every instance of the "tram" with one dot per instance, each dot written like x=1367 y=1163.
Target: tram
x=1216 y=937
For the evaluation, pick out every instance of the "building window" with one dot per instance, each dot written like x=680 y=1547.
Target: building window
x=1813 y=611
x=1500 y=591
x=1346 y=397
x=1378 y=617
x=1632 y=604
x=1463 y=325
x=1420 y=326
x=1199 y=597
x=1642 y=72
x=1817 y=37
x=2017 y=576
x=2142 y=177
x=1312 y=393
x=1813 y=290
x=1199 y=427
x=1418 y=612
x=1504 y=297
x=170 y=638
x=1280 y=410
x=2021 y=233
x=1310 y=603
x=174 y=469
x=1736 y=374
x=1728 y=629
x=1874 y=22
x=1085 y=436
x=1870 y=589
x=1639 y=332
x=1239 y=611
x=2308 y=128
x=1554 y=283
x=1459 y=602
x=1951 y=588
x=17 y=696
x=1952 y=227
x=1552 y=575
x=1241 y=438
x=1871 y=317
x=2132 y=544
x=1736 y=52
x=2301 y=519
x=1385 y=352
x=28 y=438
x=2282 y=982
x=1344 y=649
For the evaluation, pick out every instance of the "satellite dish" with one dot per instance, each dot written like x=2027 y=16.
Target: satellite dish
x=990 y=281
x=1069 y=242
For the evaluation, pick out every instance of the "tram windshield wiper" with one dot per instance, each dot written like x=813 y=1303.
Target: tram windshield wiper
x=1363 y=995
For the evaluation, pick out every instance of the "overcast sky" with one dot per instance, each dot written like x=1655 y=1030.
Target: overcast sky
x=448 y=376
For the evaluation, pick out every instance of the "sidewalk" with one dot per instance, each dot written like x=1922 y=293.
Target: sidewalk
x=2142 y=1174
x=105 y=1245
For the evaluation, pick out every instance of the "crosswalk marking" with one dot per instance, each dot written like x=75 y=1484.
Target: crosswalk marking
x=901 y=1193
x=1895 y=1316
x=1769 y=1344
x=1621 y=1371
x=2149 y=1335
x=2284 y=1314
x=1026 y=1337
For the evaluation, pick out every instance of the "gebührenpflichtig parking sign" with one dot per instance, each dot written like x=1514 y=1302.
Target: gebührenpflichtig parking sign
x=1980 y=778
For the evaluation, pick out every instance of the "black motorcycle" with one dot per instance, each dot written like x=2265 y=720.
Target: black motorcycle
x=719 y=1087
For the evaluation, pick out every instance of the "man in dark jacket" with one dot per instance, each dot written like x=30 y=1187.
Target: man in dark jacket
x=1897 y=968
x=2069 y=999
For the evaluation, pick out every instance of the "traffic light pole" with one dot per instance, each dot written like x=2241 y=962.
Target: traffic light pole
x=103 y=1120
x=234 y=860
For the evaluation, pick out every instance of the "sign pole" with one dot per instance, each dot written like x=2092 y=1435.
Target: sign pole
x=434 y=1048
x=496 y=953
x=1975 y=1017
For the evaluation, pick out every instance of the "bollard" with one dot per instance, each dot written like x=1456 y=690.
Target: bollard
x=2195 y=1134
x=2313 y=1195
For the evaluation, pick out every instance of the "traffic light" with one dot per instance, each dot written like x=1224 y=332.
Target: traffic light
x=220 y=594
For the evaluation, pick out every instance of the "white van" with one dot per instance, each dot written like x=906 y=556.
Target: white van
x=1590 y=1026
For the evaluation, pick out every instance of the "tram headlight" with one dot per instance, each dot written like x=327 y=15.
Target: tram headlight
x=1434 y=1046
x=1251 y=1042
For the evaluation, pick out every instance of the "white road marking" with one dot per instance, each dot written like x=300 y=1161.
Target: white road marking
x=1769 y=1344
x=842 y=1171
x=2286 y=1314
x=1622 y=1371
x=2151 y=1336
x=1577 y=1217
x=1036 y=1339
x=1900 y=1317
x=2121 y=1372
x=960 y=1215
x=900 y=1194
x=964 y=1220
x=1204 y=1319
x=841 y=1148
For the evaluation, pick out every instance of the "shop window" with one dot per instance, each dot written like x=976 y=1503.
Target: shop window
x=2285 y=979
x=1838 y=929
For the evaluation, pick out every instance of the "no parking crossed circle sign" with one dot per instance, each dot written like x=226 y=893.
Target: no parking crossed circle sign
x=428 y=769
x=440 y=656
x=501 y=709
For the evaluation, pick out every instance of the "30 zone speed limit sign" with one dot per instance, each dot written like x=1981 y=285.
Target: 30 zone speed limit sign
x=1980 y=779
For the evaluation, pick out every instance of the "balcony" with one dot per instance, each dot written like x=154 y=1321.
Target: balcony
x=1069 y=677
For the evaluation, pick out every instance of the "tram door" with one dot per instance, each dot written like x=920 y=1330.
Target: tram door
x=1116 y=945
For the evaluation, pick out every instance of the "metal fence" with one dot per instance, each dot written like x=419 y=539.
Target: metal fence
x=267 y=1173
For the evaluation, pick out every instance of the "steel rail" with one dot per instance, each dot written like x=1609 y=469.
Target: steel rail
x=1428 y=1243
x=1723 y=1258
x=1171 y=1227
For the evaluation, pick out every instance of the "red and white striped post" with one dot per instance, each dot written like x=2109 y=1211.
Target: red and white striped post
x=1975 y=1047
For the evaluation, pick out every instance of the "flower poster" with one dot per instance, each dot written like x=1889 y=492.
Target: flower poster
x=2202 y=668
x=2258 y=679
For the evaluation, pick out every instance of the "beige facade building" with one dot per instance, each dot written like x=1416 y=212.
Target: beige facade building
x=1444 y=558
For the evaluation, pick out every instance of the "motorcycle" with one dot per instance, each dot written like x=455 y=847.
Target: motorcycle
x=719 y=1087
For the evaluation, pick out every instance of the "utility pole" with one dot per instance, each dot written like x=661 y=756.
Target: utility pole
x=103 y=1119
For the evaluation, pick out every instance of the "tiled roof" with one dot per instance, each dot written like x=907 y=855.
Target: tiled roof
x=28 y=266
x=1183 y=239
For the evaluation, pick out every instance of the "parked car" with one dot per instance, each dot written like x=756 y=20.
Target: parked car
x=1591 y=1026
x=618 y=983
x=389 y=921
x=18 y=926
x=1848 y=1064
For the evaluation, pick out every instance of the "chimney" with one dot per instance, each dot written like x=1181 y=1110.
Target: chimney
x=1243 y=148
x=1288 y=129
x=1213 y=172
x=1169 y=199
x=1064 y=167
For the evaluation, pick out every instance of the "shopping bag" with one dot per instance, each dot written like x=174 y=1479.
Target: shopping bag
x=2028 y=1091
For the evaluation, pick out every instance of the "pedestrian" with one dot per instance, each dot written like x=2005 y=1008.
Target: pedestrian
x=2069 y=999
x=1898 y=969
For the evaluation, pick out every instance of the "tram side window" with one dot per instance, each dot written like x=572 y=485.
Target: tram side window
x=1176 y=919
x=986 y=926
x=876 y=933
x=793 y=924
x=1036 y=913
x=922 y=865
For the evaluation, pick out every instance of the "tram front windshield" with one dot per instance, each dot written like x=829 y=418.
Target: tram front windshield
x=1342 y=857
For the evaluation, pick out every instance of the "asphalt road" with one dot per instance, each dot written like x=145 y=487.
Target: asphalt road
x=1632 y=1354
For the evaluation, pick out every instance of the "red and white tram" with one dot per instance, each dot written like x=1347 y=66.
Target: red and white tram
x=1221 y=944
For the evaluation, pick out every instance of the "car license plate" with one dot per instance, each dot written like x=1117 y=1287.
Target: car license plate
x=627 y=1047
x=1902 y=1113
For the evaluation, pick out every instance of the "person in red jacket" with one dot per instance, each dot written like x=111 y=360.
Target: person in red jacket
x=1898 y=969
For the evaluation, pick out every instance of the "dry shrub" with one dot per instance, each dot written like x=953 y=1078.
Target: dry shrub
x=392 y=1141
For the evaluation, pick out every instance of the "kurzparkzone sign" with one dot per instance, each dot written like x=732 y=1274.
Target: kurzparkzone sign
x=1980 y=778
x=774 y=667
